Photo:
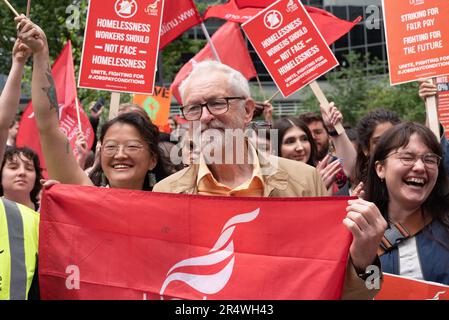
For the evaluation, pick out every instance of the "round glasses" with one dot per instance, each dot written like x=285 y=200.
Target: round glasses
x=430 y=160
x=215 y=107
x=131 y=148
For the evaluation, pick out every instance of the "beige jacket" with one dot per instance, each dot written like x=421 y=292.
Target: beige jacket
x=282 y=178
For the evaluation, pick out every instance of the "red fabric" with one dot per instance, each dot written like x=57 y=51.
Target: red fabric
x=178 y=16
x=254 y=3
x=231 y=12
x=330 y=27
x=246 y=248
x=63 y=73
x=232 y=50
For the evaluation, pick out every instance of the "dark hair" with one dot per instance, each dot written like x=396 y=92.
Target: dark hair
x=310 y=117
x=149 y=132
x=282 y=125
x=437 y=204
x=10 y=153
x=365 y=129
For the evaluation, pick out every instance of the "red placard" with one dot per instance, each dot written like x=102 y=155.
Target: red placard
x=443 y=103
x=404 y=288
x=121 y=44
x=417 y=39
x=289 y=44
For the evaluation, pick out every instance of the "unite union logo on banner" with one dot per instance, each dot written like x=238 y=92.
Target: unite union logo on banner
x=223 y=250
x=151 y=9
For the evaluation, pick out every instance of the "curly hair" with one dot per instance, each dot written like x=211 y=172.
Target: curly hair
x=12 y=152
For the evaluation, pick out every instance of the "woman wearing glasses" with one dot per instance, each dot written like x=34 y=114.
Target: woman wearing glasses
x=129 y=143
x=409 y=185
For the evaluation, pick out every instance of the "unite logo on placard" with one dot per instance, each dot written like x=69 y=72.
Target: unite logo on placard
x=273 y=19
x=292 y=6
x=151 y=9
x=416 y=2
x=223 y=251
x=126 y=8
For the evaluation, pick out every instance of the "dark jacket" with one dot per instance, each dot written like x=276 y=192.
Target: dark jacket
x=433 y=253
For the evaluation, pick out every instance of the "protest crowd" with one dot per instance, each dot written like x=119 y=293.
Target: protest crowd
x=394 y=173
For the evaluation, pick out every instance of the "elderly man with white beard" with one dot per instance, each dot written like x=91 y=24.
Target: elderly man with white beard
x=217 y=102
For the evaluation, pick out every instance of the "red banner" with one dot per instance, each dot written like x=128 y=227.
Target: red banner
x=179 y=16
x=63 y=73
x=232 y=50
x=403 y=288
x=121 y=44
x=290 y=45
x=254 y=3
x=168 y=246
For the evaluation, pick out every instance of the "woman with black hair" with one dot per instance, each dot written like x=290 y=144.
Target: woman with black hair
x=408 y=183
x=129 y=154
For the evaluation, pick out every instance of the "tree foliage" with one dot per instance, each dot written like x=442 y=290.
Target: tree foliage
x=357 y=91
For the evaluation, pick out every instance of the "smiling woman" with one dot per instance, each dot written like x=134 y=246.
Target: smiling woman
x=129 y=154
x=409 y=185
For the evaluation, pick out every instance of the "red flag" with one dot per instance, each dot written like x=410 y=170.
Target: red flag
x=63 y=73
x=231 y=12
x=166 y=246
x=254 y=3
x=232 y=50
x=179 y=16
x=330 y=27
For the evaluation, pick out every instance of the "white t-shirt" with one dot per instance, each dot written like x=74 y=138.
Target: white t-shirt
x=409 y=264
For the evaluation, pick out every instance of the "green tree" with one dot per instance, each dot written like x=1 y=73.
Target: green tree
x=356 y=91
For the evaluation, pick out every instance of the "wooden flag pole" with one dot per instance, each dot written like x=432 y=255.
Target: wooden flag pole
x=432 y=114
x=273 y=96
x=11 y=7
x=77 y=105
x=209 y=41
x=319 y=94
x=28 y=8
x=115 y=102
x=262 y=92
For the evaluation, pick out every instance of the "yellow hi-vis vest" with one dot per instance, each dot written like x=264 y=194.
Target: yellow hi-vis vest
x=19 y=234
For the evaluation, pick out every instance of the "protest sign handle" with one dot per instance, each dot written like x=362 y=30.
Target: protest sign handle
x=77 y=105
x=11 y=7
x=272 y=97
x=115 y=102
x=319 y=94
x=209 y=41
x=432 y=115
x=28 y=8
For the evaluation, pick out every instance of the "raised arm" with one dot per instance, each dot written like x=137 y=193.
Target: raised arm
x=343 y=146
x=61 y=163
x=10 y=98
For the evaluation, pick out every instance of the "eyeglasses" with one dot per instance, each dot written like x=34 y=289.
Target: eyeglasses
x=131 y=148
x=215 y=107
x=430 y=160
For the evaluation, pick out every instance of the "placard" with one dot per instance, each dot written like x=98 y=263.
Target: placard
x=121 y=44
x=289 y=44
x=417 y=39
